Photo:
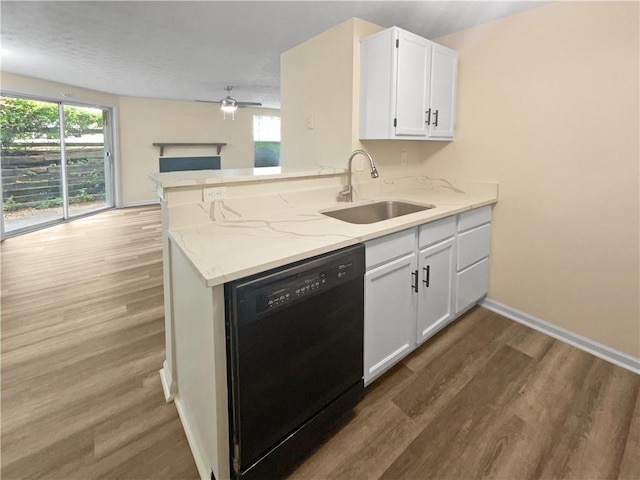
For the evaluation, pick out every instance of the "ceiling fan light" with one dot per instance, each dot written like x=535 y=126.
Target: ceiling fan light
x=228 y=108
x=228 y=105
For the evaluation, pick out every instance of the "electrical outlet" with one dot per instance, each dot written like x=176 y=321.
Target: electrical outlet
x=403 y=158
x=214 y=193
x=310 y=122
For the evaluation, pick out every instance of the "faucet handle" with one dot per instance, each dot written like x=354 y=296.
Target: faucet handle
x=346 y=195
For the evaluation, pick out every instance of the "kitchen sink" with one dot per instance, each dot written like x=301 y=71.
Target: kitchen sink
x=376 y=212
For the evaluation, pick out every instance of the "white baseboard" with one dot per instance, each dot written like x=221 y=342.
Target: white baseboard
x=203 y=469
x=141 y=203
x=166 y=385
x=583 y=343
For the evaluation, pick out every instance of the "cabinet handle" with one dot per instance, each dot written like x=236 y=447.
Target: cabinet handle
x=427 y=271
x=415 y=280
x=428 y=112
x=435 y=117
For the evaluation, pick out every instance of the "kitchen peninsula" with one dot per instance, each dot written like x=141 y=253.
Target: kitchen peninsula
x=260 y=222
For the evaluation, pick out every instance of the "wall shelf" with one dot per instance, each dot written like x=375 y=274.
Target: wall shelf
x=218 y=146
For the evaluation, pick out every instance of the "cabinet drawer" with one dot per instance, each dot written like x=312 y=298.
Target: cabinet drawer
x=473 y=246
x=473 y=218
x=437 y=231
x=389 y=247
x=471 y=285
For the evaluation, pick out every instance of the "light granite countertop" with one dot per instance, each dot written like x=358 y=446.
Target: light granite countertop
x=238 y=241
x=238 y=175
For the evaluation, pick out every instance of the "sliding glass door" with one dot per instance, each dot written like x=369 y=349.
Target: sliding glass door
x=48 y=177
x=87 y=159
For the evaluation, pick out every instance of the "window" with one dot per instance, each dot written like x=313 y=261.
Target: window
x=266 y=138
x=55 y=162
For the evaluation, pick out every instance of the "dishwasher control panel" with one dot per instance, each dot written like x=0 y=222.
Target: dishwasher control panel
x=302 y=285
x=264 y=293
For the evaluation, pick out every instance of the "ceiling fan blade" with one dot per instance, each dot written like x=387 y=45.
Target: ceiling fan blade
x=208 y=101
x=249 y=104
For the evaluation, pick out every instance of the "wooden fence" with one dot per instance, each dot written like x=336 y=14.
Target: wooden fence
x=33 y=178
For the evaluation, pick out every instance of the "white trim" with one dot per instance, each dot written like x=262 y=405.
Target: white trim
x=198 y=457
x=141 y=203
x=116 y=164
x=166 y=384
x=604 y=352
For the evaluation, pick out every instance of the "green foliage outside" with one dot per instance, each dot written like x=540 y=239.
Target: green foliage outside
x=10 y=204
x=49 y=203
x=22 y=119
x=267 y=154
x=83 y=196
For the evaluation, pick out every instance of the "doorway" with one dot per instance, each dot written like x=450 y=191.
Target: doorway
x=56 y=162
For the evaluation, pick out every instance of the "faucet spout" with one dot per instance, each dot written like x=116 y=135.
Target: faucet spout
x=347 y=194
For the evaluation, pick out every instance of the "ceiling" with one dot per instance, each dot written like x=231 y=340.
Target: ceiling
x=186 y=50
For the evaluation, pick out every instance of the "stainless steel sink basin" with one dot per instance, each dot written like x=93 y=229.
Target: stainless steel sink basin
x=376 y=212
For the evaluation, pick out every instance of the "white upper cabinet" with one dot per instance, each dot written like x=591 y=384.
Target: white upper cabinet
x=407 y=87
x=412 y=91
x=444 y=67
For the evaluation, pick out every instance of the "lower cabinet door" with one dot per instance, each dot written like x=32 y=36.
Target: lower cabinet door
x=471 y=284
x=435 y=302
x=389 y=315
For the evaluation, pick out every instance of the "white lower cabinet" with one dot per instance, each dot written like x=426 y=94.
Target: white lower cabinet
x=390 y=312
x=471 y=285
x=417 y=281
x=435 y=299
x=472 y=266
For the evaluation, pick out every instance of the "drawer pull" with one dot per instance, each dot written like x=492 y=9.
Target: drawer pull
x=427 y=271
x=414 y=281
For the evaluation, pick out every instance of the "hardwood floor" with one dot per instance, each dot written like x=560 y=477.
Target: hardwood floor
x=490 y=398
x=82 y=343
x=83 y=340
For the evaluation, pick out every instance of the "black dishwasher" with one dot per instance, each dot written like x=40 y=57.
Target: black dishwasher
x=295 y=358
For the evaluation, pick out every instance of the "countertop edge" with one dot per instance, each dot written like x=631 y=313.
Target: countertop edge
x=241 y=175
x=387 y=229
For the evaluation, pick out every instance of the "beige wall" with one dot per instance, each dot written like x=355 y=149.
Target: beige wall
x=146 y=121
x=316 y=80
x=142 y=121
x=36 y=87
x=320 y=78
x=548 y=105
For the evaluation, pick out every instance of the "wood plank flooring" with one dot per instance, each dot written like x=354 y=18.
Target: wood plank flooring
x=490 y=398
x=83 y=340
x=82 y=343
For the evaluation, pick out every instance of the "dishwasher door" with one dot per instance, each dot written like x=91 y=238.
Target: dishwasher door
x=295 y=347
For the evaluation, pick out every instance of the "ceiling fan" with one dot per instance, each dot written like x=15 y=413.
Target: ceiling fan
x=230 y=105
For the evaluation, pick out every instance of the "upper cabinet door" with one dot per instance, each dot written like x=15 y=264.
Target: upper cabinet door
x=444 y=67
x=407 y=87
x=413 y=84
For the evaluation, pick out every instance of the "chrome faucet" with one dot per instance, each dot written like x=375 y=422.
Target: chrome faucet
x=347 y=194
